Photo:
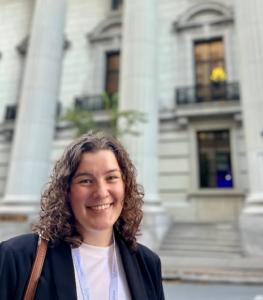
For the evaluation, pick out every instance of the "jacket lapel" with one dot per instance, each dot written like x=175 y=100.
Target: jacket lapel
x=64 y=272
x=132 y=271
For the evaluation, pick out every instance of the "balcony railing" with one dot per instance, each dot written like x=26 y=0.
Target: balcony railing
x=91 y=103
x=220 y=91
x=11 y=111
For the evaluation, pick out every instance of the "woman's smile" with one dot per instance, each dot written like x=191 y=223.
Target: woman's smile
x=100 y=208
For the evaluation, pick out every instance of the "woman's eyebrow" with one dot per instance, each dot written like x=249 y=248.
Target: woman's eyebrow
x=83 y=174
x=112 y=170
x=89 y=174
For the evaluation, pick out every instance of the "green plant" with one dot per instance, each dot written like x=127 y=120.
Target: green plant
x=120 y=122
x=80 y=119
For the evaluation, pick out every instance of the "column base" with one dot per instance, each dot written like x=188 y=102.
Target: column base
x=251 y=226
x=21 y=199
x=17 y=219
x=255 y=198
x=154 y=226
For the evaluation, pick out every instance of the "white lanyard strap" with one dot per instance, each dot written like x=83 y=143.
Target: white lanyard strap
x=114 y=275
x=83 y=278
x=81 y=274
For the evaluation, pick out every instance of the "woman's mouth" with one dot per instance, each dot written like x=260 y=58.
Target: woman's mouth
x=100 y=207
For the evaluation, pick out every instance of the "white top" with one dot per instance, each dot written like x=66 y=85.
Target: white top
x=97 y=263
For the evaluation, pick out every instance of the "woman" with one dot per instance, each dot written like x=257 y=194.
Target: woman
x=91 y=211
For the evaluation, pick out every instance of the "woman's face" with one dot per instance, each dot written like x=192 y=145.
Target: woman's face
x=97 y=192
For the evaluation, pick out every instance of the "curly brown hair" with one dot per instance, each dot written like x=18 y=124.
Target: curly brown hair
x=56 y=215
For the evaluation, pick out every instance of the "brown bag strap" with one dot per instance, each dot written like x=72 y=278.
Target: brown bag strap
x=37 y=266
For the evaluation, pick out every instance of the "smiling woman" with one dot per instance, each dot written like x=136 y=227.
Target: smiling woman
x=91 y=212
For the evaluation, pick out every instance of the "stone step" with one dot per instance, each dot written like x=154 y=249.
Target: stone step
x=217 y=225
x=200 y=247
x=242 y=270
x=207 y=228
x=203 y=240
x=211 y=235
x=198 y=254
x=204 y=234
x=214 y=276
x=198 y=241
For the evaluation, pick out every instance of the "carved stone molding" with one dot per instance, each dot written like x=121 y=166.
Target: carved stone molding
x=187 y=20
x=108 y=29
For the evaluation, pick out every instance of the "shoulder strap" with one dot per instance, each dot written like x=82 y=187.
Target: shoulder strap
x=37 y=267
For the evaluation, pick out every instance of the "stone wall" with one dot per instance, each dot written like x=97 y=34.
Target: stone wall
x=15 y=21
x=174 y=157
x=5 y=148
x=80 y=60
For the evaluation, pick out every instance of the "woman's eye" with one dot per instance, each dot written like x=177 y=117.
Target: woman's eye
x=86 y=181
x=111 y=177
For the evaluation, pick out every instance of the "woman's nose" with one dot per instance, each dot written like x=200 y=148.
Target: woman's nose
x=101 y=191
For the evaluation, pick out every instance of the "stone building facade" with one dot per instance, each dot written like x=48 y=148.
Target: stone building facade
x=192 y=66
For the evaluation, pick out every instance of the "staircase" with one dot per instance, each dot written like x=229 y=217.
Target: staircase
x=214 y=240
x=208 y=253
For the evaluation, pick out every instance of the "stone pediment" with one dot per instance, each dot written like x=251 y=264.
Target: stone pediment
x=204 y=14
x=110 y=28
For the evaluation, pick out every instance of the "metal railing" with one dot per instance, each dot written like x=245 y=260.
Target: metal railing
x=11 y=111
x=220 y=91
x=91 y=103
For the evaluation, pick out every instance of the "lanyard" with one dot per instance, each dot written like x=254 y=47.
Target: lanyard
x=83 y=278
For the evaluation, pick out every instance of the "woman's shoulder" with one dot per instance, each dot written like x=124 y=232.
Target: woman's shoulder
x=147 y=254
x=150 y=264
x=20 y=244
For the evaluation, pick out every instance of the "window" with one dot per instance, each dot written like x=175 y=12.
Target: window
x=10 y=113
x=210 y=70
x=112 y=73
x=117 y=4
x=214 y=159
x=208 y=57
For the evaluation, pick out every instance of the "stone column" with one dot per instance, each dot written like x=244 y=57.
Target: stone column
x=35 y=123
x=139 y=92
x=249 y=24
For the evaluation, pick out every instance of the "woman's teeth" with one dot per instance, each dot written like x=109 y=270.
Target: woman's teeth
x=100 y=207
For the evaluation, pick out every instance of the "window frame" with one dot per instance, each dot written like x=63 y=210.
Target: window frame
x=214 y=150
x=107 y=54
x=194 y=127
x=210 y=61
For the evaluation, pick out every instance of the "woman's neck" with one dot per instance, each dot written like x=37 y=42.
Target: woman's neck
x=98 y=238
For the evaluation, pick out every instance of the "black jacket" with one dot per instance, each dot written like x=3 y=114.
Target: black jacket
x=57 y=280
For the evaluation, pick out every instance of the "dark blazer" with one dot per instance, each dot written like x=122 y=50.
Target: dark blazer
x=57 y=281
